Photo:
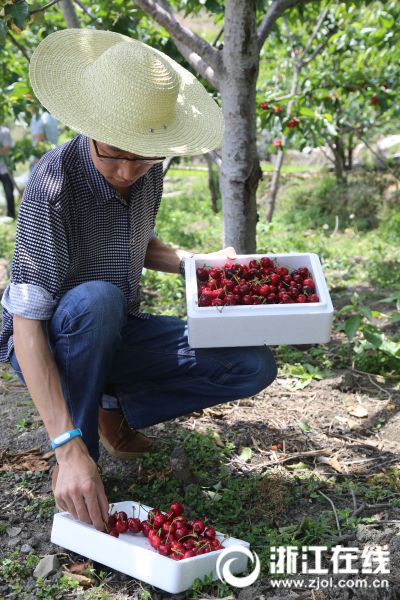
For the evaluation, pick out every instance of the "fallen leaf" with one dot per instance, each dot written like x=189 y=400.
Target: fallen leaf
x=83 y=580
x=29 y=460
x=332 y=461
x=357 y=410
x=218 y=439
x=304 y=426
x=391 y=407
x=79 y=568
x=246 y=454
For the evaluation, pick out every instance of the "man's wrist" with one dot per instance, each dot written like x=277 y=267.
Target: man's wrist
x=66 y=452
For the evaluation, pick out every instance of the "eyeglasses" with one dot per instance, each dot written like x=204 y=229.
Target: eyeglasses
x=112 y=159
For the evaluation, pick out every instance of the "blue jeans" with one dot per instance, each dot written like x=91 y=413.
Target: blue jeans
x=155 y=373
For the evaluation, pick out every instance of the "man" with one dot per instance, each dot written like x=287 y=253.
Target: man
x=72 y=327
x=5 y=177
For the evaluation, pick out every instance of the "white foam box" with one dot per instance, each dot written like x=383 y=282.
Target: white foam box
x=259 y=324
x=132 y=554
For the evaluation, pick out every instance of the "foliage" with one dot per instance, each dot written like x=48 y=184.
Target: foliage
x=318 y=201
x=373 y=350
x=347 y=77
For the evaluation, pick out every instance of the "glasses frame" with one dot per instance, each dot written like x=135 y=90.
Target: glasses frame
x=112 y=159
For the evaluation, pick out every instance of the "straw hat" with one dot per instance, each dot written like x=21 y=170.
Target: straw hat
x=122 y=92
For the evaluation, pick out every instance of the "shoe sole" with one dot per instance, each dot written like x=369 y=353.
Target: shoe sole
x=118 y=454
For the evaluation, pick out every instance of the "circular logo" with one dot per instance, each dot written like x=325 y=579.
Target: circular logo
x=226 y=561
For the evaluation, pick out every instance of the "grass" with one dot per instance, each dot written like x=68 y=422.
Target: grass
x=277 y=505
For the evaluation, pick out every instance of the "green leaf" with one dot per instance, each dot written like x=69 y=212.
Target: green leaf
x=394 y=318
x=375 y=339
x=19 y=11
x=3 y=32
x=307 y=112
x=246 y=454
x=351 y=326
x=365 y=311
x=304 y=426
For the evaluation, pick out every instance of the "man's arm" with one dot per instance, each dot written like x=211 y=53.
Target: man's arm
x=161 y=257
x=79 y=488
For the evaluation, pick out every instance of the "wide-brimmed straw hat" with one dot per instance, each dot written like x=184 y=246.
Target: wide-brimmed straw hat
x=122 y=92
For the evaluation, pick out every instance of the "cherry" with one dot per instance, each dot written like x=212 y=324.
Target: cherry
x=264 y=105
x=198 y=526
x=277 y=142
x=210 y=533
x=308 y=282
x=134 y=525
x=121 y=526
x=114 y=532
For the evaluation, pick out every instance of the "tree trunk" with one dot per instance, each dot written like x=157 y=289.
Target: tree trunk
x=212 y=183
x=350 y=148
x=340 y=160
x=69 y=13
x=240 y=172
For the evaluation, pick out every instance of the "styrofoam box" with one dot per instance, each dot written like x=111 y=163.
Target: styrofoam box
x=132 y=554
x=259 y=324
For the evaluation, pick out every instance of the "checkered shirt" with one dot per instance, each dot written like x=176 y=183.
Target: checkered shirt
x=74 y=227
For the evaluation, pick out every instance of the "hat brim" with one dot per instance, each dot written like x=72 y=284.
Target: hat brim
x=57 y=74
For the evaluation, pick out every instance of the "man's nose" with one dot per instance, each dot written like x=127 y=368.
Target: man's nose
x=129 y=169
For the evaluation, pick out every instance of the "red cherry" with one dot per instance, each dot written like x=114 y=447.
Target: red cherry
x=121 y=526
x=314 y=298
x=264 y=105
x=114 y=532
x=210 y=533
x=164 y=549
x=134 y=525
x=308 y=282
x=198 y=526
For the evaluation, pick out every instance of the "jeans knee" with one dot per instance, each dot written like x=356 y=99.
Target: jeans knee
x=262 y=370
x=99 y=303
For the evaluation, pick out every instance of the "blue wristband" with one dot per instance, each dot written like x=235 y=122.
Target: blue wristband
x=65 y=437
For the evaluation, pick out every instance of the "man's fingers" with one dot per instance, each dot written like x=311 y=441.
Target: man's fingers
x=103 y=503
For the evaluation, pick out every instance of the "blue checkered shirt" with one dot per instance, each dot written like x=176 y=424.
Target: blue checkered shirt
x=73 y=227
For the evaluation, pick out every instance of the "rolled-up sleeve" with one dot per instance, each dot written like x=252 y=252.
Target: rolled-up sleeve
x=29 y=301
x=40 y=260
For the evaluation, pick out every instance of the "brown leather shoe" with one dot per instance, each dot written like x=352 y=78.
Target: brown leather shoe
x=118 y=438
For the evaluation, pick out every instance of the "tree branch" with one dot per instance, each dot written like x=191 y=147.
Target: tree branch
x=19 y=46
x=317 y=27
x=179 y=33
x=276 y=9
x=85 y=10
x=37 y=10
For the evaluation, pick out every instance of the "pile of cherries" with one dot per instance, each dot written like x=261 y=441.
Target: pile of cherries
x=170 y=534
x=262 y=281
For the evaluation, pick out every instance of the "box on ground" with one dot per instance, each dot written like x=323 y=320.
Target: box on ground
x=261 y=324
x=132 y=554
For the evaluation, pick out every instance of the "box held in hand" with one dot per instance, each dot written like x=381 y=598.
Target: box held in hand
x=258 y=324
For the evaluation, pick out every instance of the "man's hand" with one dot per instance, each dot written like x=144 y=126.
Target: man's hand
x=229 y=253
x=79 y=489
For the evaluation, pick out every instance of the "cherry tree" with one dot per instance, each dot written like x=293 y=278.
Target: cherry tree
x=232 y=70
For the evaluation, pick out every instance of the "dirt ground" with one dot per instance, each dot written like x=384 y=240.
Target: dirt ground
x=353 y=424
x=354 y=443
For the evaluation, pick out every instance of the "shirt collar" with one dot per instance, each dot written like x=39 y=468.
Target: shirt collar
x=102 y=190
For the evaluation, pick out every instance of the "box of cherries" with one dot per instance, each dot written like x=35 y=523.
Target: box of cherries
x=257 y=300
x=165 y=549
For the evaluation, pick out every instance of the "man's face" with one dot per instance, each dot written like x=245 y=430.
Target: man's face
x=121 y=169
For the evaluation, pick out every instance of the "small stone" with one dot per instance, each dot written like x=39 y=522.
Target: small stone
x=14 y=531
x=26 y=548
x=47 y=565
x=12 y=542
